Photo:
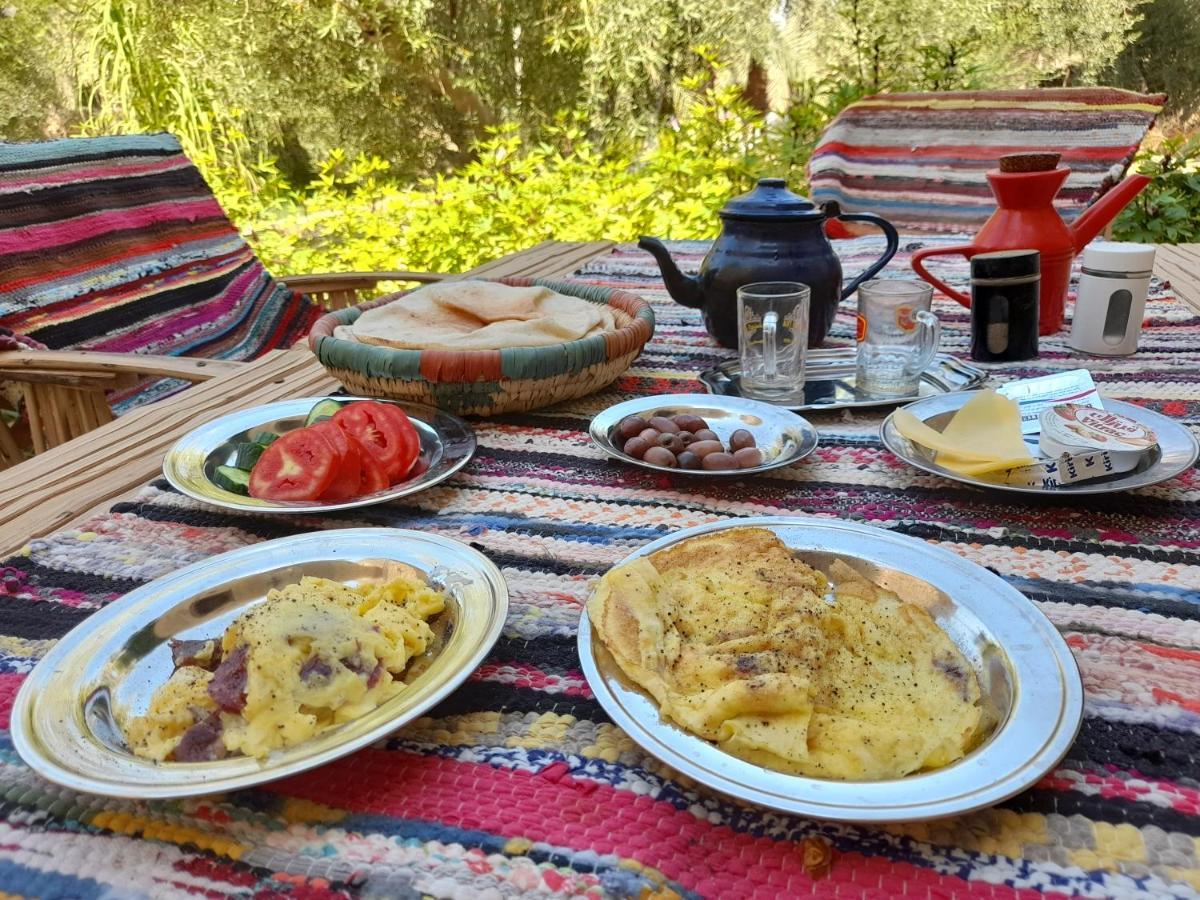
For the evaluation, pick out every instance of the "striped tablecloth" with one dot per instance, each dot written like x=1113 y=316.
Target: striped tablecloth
x=520 y=784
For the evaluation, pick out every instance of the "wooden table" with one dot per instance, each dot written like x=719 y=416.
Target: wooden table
x=75 y=480
x=70 y=483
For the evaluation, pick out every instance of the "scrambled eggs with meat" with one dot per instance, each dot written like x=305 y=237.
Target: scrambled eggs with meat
x=311 y=656
x=735 y=639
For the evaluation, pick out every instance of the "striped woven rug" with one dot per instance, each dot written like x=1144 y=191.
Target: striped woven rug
x=519 y=783
x=919 y=159
x=117 y=244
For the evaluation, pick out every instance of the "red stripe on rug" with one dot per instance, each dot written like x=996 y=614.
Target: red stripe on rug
x=52 y=234
x=583 y=815
x=54 y=274
x=956 y=151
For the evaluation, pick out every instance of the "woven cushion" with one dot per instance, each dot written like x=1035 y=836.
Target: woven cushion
x=117 y=243
x=919 y=160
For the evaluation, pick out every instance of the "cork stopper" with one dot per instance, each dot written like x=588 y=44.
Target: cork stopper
x=1029 y=162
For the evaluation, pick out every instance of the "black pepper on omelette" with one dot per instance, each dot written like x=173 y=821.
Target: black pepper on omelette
x=734 y=638
x=311 y=656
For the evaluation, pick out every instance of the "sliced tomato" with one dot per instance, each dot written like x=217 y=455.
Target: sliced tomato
x=410 y=441
x=298 y=466
x=379 y=432
x=348 y=477
x=371 y=474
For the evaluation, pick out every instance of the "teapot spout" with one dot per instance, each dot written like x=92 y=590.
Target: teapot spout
x=1099 y=214
x=683 y=289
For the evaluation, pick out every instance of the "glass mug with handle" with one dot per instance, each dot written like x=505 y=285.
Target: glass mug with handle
x=773 y=338
x=897 y=336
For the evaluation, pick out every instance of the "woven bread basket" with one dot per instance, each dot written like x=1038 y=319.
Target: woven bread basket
x=486 y=382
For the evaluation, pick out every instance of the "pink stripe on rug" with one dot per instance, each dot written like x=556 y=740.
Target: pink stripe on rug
x=9 y=684
x=583 y=815
x=52 y=234
x=76 y=174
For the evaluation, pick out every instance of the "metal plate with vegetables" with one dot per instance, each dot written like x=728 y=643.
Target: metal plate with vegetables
x=213 y=463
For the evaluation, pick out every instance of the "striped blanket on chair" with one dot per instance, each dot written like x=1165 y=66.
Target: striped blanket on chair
x=118 y=244
x=919 y=159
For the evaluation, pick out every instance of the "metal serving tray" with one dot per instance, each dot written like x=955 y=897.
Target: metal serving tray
x=830 y=380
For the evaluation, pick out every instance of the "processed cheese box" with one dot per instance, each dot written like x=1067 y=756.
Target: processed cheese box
x=1072 y=430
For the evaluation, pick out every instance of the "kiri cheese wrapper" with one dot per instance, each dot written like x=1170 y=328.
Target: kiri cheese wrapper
x=1070 y=429
x=1035 y=395
x=1067 y=469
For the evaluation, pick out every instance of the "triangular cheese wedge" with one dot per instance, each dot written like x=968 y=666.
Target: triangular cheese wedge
x=984 y=436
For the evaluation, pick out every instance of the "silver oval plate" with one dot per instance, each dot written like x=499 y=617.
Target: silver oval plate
x=63 y=720
x=784 y=437
x=1027 y=673
x=1176 y=452
x=447 y=444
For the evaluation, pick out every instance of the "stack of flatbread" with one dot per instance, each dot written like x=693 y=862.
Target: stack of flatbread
x=478 y=315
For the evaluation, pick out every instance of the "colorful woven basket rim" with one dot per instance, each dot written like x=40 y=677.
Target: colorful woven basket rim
x=514 y=363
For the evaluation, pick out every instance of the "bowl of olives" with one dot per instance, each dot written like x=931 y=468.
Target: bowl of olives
x=696 y=434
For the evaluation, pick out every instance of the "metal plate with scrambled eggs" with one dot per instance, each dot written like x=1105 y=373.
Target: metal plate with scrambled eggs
x=218 y=688
x=830 y=669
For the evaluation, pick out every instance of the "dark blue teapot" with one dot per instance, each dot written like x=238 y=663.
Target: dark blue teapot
x=769 y=234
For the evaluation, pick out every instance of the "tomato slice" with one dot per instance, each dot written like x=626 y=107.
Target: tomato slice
x=410 y=441
x=379 y=432
x=298 y=466
x=348 y=476
x=371 y=474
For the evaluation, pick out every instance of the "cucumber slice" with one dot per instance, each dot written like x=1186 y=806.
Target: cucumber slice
x=247 y=455
x=230 y=479
x=323 y=410
x=264 y=438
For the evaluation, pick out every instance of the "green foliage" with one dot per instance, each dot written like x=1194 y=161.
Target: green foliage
x=1164 y=55
x=517 y=192
x=1167 y=211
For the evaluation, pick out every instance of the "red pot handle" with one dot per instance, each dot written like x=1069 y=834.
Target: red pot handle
x=967 y=250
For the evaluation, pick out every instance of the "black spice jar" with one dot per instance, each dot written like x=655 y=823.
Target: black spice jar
x=1004 y=305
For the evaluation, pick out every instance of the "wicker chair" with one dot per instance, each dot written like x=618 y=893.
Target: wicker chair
x=115 y=253
x=919 y=159
x=65 y=392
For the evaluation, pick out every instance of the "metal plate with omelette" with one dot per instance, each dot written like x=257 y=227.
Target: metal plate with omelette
x=892 y=680
x=100 y=712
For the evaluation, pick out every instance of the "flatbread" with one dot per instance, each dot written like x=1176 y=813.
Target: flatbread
x=478 y=315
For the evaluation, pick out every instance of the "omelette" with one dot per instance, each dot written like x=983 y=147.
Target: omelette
x=309 y=657
x=739 y=642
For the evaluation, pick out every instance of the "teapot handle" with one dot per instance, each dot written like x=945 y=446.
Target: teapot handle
x=966 y=250
x=893 y=244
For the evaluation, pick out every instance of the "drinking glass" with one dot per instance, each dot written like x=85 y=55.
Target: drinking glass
x=773 y=327
x=897 y=336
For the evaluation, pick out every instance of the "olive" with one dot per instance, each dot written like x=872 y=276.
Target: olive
x=649 y=435
x=748 y=457
x=688 y=422
x=706 y=434
x=719 y=461
x=636 y=447
x=689 y=460
x=661 y=456
x=741 y=439
x=630 y=426
x=665 y=425
x=671 y=442
x=703 y=448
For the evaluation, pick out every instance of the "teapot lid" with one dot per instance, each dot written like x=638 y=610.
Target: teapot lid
x=771 y=201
